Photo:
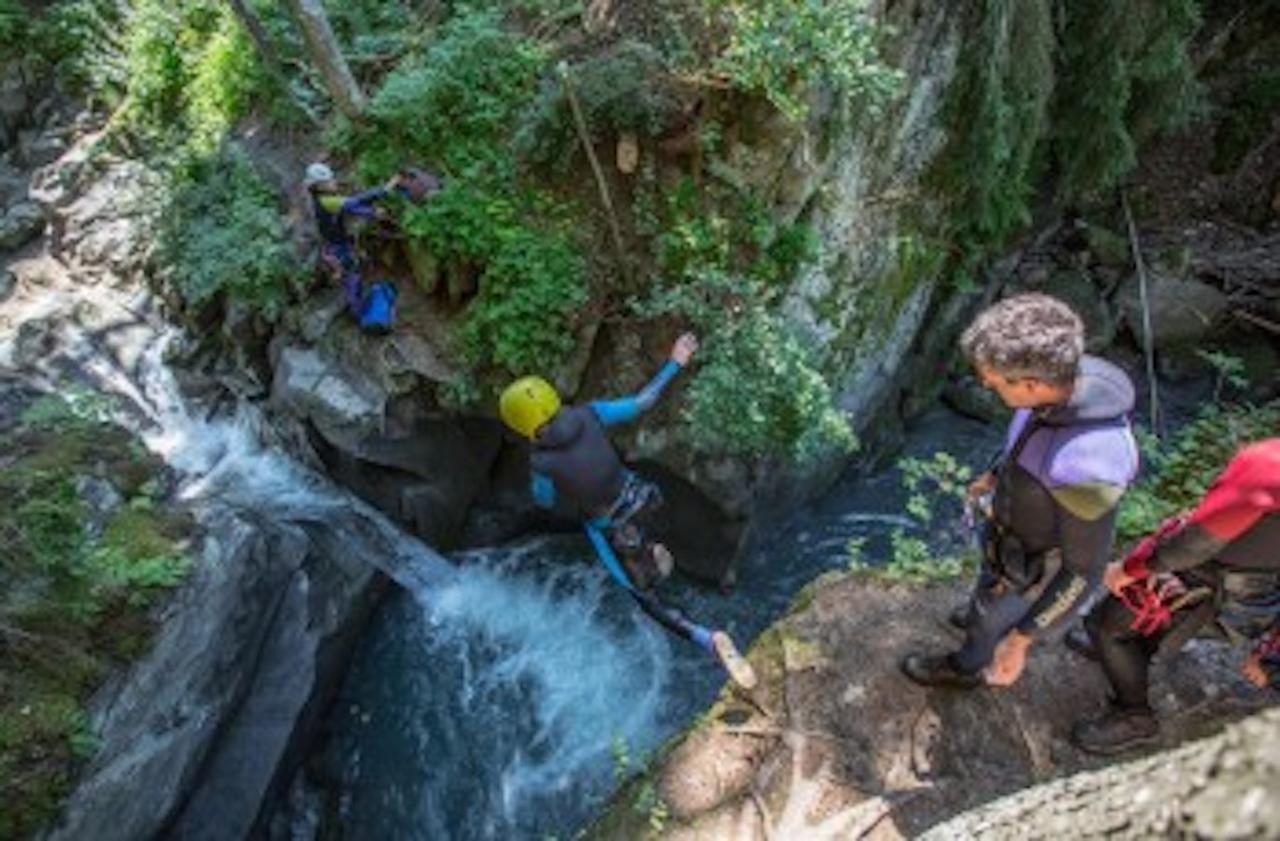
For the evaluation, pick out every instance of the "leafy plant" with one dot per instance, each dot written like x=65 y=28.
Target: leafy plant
x=782 y=49
x=222 y=233
x=1227 y=369
x=758 y=393
x=1181 y=467
x=625 y=89
x=947 y=476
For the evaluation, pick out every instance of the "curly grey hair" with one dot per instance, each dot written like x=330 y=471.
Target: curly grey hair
x=1028 y=335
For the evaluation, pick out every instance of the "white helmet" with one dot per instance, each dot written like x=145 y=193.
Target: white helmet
x=317 y=173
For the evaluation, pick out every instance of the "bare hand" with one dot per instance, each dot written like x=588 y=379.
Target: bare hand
x=1009 y=660
x=986 y=483
x=1115 y=579
x=684 y=349
x=1253 y=671
x=394 y=181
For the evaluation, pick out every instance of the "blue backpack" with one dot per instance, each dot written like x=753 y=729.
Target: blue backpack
x=378 y=312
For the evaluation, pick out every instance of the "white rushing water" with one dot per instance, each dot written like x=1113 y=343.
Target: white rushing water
x=544 y=660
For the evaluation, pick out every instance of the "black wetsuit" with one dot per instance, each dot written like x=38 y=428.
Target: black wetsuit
x=1062 y=471
x=1231 y=548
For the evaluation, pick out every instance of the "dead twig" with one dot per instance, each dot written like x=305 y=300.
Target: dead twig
x=1148 y=349
x=1257 y=321
x=584 y=135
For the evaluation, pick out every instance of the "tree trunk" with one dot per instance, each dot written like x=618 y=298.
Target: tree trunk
x=324 y=51
x=1220 y=787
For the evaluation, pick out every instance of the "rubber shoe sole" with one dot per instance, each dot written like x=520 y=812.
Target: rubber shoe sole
x=739 y=669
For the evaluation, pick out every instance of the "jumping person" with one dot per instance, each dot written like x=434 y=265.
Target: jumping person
x=572 y=458
x=1216 y=567
x=372 y=309
x=1048 y=504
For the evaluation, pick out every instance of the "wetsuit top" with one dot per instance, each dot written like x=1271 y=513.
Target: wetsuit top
x=1237 y=523
x=1063 y=471
x=572 y=455
x=331 y=211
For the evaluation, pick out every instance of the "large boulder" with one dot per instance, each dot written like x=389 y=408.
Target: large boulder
x=345 y=404
x=202 y=729
x=1183 y=310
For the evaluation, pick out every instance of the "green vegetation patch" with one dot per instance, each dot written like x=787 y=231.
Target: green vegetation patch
x=1181 y=466
x=454 y=109
x=79 y=576
x=222 y=234
x=785 y=50
x=758 y=390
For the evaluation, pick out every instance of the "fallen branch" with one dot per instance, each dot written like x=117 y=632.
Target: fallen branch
x=1257 y=321
x=584 y=135
x=1147 y=348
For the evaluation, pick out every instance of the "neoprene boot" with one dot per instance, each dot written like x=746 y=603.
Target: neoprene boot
x=938 y=670
x=1117 y=730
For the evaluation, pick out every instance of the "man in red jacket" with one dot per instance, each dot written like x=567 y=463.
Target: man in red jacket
x=1218 y=564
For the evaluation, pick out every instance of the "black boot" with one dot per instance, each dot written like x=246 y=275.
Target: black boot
x=938 y=670
x=1117 y=730
x=1079 y=641
x=959 y=617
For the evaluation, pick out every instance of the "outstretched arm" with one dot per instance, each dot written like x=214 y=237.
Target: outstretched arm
x=627 y=409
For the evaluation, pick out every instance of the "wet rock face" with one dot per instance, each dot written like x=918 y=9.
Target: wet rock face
x=194 y=739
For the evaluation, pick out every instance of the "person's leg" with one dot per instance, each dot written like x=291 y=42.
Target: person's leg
x=992 y=613
x=1124 y=654
x=1125 y=657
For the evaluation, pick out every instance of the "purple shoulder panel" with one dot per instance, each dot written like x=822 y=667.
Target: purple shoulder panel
x=1088 y=453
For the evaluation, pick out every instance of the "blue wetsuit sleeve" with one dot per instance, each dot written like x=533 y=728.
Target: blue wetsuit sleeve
x=627 y=409
x=607 y=556
x=543 y=490
x=361 y=204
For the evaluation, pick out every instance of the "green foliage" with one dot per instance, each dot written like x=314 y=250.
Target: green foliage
x=781 y=49
x=998 y=106
x=758 y=389
x=1227 y=369
x=77 y=39
x=1125 y=76
x=1181 y=467
x=625 y=89
x=77 y=591
x=191 y=72
x=758 y=392
x=933 y=486
x=531 y=279
x=222 y=233
x=650 y=804
x=940 y=476
x=455 y=106
x=453 y=109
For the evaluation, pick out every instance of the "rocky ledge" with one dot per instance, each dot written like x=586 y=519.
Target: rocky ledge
x=836 y=743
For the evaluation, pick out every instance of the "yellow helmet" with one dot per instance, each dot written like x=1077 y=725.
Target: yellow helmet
x=527 y=404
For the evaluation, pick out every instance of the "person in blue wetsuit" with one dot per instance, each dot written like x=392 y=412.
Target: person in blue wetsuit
x=373 y=308
x=1049 y=503
x=572 y=459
